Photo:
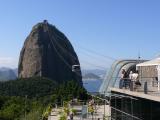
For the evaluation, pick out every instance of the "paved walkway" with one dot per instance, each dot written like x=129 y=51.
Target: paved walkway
x=54 y=114
x=99 y=114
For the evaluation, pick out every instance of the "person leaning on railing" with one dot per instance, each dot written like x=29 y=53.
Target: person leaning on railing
x=134 y=79
x=123 y=79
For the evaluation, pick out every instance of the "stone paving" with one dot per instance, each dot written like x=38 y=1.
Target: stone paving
x=99 y=114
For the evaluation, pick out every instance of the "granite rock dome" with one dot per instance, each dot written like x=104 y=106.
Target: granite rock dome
x=48 y=53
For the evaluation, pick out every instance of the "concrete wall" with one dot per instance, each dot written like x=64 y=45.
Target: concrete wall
x=147 y=71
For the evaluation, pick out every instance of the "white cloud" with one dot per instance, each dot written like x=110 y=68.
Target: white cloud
x=8 y=62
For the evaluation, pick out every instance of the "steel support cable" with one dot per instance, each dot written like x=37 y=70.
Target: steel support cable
x=61 y=57
x=56 y=49
x=88 y=63
x=66 y=51
x=94 y=52
x=92 y=56
x=75 y=57
x=91 y=51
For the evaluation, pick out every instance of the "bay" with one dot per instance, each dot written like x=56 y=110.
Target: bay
x=92 y=85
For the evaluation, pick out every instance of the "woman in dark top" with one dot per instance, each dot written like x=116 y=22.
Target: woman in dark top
x=123 y=79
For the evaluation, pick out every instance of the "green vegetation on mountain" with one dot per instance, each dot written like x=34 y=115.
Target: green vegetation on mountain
x=32 y=87
x=34 y=96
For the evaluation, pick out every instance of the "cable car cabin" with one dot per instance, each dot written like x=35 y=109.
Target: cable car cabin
x=75 y=68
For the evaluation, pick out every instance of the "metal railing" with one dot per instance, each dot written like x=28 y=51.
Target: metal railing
x=144 y=84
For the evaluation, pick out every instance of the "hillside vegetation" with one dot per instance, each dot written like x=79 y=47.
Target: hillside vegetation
x=33 y=95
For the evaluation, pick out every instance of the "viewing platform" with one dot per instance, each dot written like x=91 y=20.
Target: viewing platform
x=151 y=95
x=134 y=105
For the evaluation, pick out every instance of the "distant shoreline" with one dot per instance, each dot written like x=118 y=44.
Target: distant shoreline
x=91 y=79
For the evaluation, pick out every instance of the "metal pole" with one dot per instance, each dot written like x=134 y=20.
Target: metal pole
x=104 y=106
x=110 y=108
x=131 y=108
x=145 y=88
x=95 y=109
x=122 y=108
x=25 y=107
x=115 y=107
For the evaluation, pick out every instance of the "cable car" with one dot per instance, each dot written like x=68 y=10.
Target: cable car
x=75 y=68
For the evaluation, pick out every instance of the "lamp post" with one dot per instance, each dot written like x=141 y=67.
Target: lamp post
x=104 y=107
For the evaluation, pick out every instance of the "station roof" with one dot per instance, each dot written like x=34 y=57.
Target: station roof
x=153 y=62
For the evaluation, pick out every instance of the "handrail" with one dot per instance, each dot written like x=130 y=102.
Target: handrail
x=117 y=68
x=108 y=76
x=126 y=113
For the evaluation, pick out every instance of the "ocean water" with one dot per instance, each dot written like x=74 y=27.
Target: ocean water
x=92 y=85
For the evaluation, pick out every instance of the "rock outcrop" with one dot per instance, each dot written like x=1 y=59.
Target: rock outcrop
x=48 y=53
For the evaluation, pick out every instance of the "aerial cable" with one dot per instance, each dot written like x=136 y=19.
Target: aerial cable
x=95 y=57
x=57 y=50
x=65 y=50
x=88 y=63
x=88 y=50
x=95 y=53
x=61 y=57
x=73 y=56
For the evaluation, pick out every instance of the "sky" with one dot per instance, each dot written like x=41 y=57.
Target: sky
x=100 y=31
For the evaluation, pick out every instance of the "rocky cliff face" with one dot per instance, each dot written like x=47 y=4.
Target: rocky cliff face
x=48 y=53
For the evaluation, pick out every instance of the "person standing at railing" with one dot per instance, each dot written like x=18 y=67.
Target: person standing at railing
x=135 y=81
x=136 y=78
x=130 y=75
x=123 y=79
x=131 y=80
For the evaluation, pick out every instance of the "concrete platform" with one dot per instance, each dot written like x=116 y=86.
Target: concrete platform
x=149 y=96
